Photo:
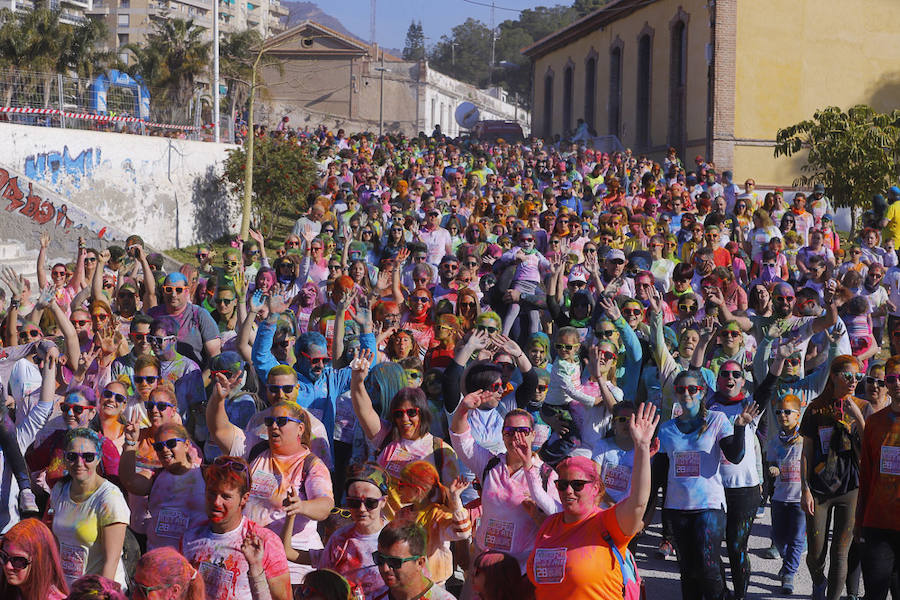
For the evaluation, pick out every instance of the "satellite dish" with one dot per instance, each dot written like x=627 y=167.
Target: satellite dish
x=466 y=115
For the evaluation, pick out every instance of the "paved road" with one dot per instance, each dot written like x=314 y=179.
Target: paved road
x=662 y=579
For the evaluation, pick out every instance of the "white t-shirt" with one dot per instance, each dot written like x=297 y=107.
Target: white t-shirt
x=787 y=459
x=78 y=527
x=745 y=473
x=616 y=466
x=695 y=480
x=176 y=503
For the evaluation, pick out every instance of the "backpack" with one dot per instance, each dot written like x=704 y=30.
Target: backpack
x=546 y=470
x=632 y=586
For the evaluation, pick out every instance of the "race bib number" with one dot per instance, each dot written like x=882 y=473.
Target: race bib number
x=541 y=433
x=890 y=460
x=677 y=410
x=399 y=459
x=264 y=485
x=617 y=477
x=550 y=565
x=171 y=523
x=218 y=580
x=499 y=534
x=789 y=471
x=687 y=464
x=825 y=438
x=73 y=559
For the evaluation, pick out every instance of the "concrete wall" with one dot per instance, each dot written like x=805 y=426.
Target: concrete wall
x=655 y=19
x=845 y=53
x=168 y=191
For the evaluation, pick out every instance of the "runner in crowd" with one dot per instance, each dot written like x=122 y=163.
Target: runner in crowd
x=374 y=414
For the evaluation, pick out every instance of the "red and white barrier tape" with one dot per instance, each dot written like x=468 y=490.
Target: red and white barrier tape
x=93 y=117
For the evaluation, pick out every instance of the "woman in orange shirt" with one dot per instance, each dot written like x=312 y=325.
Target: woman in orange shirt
x=575 y=552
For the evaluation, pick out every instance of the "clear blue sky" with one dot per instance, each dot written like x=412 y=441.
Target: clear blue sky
x=438 y=16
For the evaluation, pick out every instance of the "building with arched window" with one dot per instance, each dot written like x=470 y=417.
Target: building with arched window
x=715 y=78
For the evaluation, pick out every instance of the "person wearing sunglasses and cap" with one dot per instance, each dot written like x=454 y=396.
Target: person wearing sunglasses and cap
x=198 y=334
x=578 y=551
x=174 y=493
x=90 y=514
x=229 y=536
x=349 y=550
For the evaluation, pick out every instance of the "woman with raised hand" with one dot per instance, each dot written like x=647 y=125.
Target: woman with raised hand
x=403 y=439
x=90 y=514
x=579 y=550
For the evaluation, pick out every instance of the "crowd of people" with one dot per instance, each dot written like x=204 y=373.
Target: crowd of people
x=472 y=367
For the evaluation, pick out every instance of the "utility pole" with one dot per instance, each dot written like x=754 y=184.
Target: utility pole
x=217 y=134
x=381 y=96
x=372 y=22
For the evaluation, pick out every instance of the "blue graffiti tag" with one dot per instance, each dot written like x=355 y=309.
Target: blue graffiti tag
x=52 y=165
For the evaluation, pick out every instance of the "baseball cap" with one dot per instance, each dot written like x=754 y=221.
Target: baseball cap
x=577 y=276
x=566 y=185
x=229 y=361
x=819 y=188
x=615 y=253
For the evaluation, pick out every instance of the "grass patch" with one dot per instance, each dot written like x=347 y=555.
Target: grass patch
x=283 y=226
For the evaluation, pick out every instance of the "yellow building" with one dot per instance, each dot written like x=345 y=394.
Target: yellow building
x=716 y=77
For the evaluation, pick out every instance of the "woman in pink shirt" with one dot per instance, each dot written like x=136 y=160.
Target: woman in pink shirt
x=31 y=568
x=514 y=485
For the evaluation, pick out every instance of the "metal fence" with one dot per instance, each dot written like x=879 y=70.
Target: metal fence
x=56 y=100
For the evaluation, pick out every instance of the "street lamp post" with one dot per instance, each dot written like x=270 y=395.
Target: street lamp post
x=216 y=131
x=382 y=70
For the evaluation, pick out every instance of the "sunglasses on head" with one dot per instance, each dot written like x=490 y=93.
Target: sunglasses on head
x=87 y=457
x=281 y=421
x=170 y=444
x=109 y=395
x=149 y=379
x=75 y=409
x=16 y=562
x=357 y=503
x=173 y=289
x=576 y=484
x=409 y=412
x=393 y=562
x=234 y=465
x=688 y=389
x=158 y=405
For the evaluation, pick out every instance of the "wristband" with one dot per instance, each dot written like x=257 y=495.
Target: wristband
x=129 y=443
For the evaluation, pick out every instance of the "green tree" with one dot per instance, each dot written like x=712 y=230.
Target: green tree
x=171 y=61
x=854 y=154
x=466 y=53
x=585 y=7
x=415 y=42
x=283 y=173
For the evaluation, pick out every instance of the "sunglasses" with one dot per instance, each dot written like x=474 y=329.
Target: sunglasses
x=543 y=387
x=170 y=444
x=315 y=359
x=173 y=289
x=731 y=374
x=409 y=412
x=79 y=322
x=292 y=244
x=87 y=457
x=287 y=389
x=142 y=379
x=510 y=431
x=100 y=316
x=59 y=273
x=370 y=503
x=568 y=347
x=418 y=299
x=109 y=394
x=16 y=562
x=281 y=421
x=487 y=328
x=783 y=412
x=688 y=389
x=890 y=379
x=687 y=307
x=621 y=419
x=160 y=405
x=229 y=263
x=225 y=301
x=32 y=333
x=875 y=381
x=607 y=355
x=606 y=333
x=75 y=409
x=393 y=562
x=632 y=312
x=785 y=298
x=90 y=259
x=794 y=361
x=851 y=377
x=731 y=334
x=576 y=484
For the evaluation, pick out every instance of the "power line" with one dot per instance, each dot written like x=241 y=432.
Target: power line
x=516 y=10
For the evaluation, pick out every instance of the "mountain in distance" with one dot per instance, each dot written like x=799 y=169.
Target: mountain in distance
x=301 y=11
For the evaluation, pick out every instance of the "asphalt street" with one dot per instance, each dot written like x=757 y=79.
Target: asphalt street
x=661 y=578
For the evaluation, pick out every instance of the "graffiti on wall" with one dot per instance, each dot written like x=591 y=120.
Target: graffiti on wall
x=46 y=213
x=50 y=166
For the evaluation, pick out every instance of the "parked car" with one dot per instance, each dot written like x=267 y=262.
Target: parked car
x=489 y=131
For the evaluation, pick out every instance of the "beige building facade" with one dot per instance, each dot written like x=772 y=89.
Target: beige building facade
x=717 y=78
x=326 y=77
